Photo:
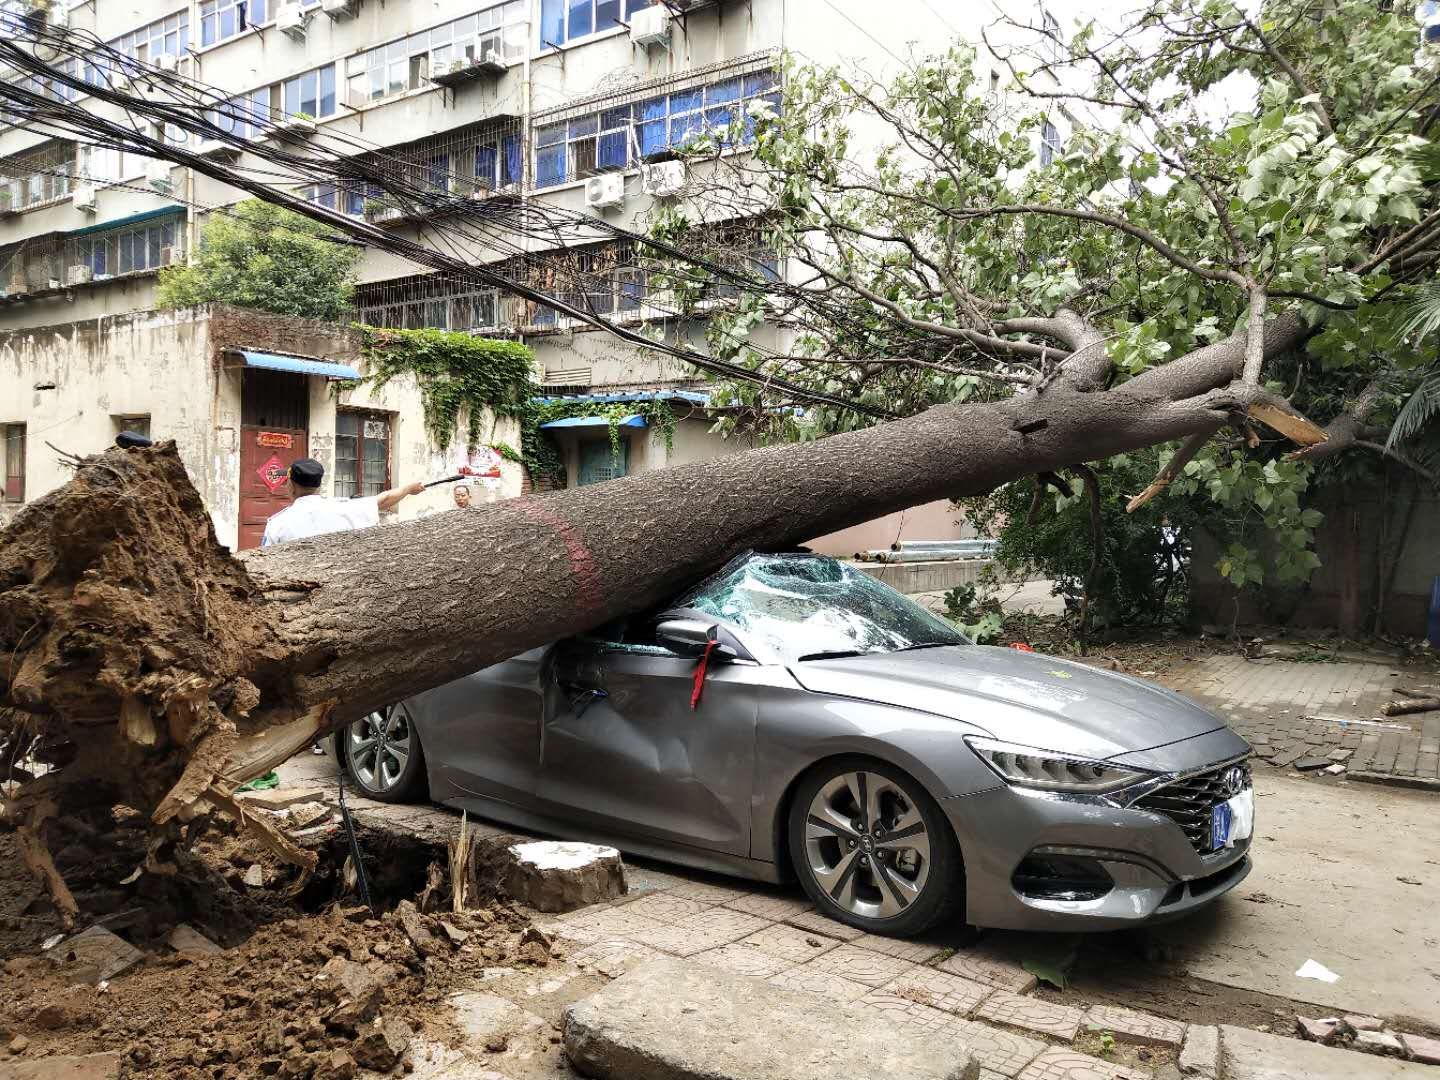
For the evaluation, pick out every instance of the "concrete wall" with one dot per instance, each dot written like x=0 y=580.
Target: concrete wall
x=173 y=367
x=1345 y=591
x=938 y=520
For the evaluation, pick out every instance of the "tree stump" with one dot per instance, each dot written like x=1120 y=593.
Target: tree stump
x=552 y=875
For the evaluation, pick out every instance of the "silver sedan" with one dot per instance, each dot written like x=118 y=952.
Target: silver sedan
x=791 y=717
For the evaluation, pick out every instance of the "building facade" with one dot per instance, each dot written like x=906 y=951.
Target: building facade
x=564 y=101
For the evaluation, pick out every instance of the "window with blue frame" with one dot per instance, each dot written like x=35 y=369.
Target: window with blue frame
x=623 y=136
x=498 y=162
x=127 y=251
x=222 y=19
x=565 y=20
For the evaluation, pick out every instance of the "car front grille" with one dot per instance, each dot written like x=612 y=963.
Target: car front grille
x=1188 y=802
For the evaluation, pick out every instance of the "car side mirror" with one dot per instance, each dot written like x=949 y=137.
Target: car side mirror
x=683 y=637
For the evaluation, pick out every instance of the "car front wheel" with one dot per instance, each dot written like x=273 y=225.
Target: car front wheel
x=872 y=848
x=382 y=755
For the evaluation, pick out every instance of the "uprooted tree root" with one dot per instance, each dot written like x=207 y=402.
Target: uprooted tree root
x=126 y=632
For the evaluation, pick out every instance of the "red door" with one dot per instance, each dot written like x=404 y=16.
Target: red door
x=265 y=457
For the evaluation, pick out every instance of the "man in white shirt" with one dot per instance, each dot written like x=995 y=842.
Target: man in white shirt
x=312 y=514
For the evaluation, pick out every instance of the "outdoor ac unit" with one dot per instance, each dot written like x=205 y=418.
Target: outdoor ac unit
x=167 y=256
x=167 y=61
x=78 y=274
x=651 y=26
x=339 y=9
x=662 y=179
x=83 y=198
x=605 y=190
x=157 y=174
x=290 y=20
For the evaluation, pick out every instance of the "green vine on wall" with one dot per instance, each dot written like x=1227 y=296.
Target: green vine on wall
x=540 y=452
x=456 y=373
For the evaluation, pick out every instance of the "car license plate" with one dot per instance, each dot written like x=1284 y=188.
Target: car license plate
x=1220 y=817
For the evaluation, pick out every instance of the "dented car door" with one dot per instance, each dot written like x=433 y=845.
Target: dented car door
x=621 y=747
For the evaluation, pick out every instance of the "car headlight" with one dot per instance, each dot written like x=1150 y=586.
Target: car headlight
x=1025 y=766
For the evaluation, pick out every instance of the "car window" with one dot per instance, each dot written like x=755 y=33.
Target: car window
x=801 y=605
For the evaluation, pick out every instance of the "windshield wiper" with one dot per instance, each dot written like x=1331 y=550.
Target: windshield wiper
x=927 y=645
x=835 y=655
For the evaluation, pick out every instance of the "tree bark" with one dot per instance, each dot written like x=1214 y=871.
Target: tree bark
x=181 y=671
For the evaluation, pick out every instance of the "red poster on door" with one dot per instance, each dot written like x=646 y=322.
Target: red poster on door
x=273 y=473
x=281 y=440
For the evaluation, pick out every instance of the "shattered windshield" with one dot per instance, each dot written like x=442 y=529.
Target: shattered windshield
x=809 y=607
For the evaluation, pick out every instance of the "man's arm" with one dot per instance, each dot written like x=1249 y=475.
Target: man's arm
x=389 y=500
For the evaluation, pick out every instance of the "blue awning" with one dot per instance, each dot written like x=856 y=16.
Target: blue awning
x=692 y=396
x=595 y=421
x=299 y=365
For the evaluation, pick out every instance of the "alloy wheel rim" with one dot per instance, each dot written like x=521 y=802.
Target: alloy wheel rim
x=379 y=747
x=867 y=846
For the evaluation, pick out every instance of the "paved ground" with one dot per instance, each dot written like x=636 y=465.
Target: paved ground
x=1322 y=889
x=1290 y=711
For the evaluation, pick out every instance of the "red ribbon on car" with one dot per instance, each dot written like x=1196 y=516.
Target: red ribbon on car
x=700 y=668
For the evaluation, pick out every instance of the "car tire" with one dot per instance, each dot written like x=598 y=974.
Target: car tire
x=382 y=756
x=897 y=886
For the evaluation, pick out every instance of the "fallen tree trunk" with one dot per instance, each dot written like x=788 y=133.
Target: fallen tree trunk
x=158 y=670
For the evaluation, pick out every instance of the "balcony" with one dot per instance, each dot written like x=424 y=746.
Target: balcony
x=459 y=72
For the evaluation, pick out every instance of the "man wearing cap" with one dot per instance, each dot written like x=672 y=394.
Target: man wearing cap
x=312 y=514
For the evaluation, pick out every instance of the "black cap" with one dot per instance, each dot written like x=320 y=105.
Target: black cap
x=307 y=472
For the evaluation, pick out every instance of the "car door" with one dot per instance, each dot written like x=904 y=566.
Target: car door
x=622 y=750
x=481 y=732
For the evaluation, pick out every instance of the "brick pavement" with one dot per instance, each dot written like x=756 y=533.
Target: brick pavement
x=1291 y=710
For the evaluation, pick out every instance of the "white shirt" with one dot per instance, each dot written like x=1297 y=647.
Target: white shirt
x=315 y=515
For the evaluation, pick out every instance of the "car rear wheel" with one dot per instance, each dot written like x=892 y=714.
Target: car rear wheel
x=873 y=850
x=382 y=755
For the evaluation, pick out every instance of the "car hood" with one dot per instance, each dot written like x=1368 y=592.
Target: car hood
x=1026 y=698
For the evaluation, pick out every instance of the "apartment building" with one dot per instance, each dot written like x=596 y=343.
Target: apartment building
x=576 y=103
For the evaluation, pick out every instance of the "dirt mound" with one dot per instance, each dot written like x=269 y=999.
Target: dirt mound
x=305 y=995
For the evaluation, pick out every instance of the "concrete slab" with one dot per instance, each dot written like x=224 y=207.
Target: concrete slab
x=672 y=1020
x=1324 y=888
x=1254 y=1055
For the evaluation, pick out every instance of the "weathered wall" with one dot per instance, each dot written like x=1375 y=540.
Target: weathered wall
x=1345 y=593
x=934 y=521
x=174 y=367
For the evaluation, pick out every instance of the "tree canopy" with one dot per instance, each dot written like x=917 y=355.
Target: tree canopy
x=1257 y=184
x=258 y=255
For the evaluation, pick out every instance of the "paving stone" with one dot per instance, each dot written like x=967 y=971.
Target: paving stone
x=819 y=924
x=905 y=1011
x=770 y=907
x=1032 y=1013
x=669 y=1020
x=808 y=980
x=94 y=955
x=862 y=965
x=1305 y=764
x=1003 y=1051
x=710 y=929
x=1129 y=1026
x=1421 y=1048
x=1358 y=1022
x=665 y=907
x=791 y=943
x=482 y=1015
x=1321 y=1031
x=1256 y=1055
x=1200 y=1056
x=612 y=957
x=743 y=960
x=1341 y=755
x=916 y=952
x=706 y=893
x=1379 y=1042
x=1285 y=757
x=983 y=965
x=1062 y=1064
x=939 y=989
x=614 y=922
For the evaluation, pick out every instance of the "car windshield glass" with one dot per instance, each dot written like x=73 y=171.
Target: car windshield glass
x=796 y=606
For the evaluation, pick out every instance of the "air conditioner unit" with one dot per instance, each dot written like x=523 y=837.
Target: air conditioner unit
x=339 y=10
x=79 y=274
x=290 y=20
x=167 y=61
x=157 y=174
x=83 y=198
x=167 y=256
x=605 y=190
x=663 y=179
x=651 y=26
